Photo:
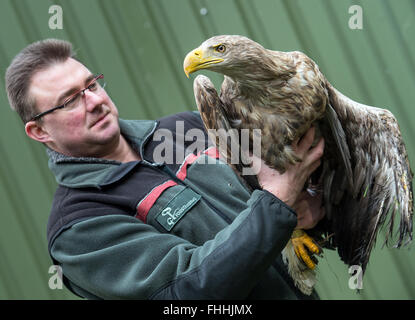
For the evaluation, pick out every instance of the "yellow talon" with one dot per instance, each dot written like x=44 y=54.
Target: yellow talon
x=300 y=239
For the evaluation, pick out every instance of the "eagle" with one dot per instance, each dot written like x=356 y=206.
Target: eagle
x=364 y=177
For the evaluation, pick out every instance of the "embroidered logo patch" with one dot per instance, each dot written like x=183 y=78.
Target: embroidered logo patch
x=177 y=208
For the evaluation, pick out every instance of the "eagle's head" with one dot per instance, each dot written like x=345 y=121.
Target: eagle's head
x=232 y=55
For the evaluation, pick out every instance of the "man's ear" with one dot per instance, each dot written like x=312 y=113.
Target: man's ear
x=37 y=132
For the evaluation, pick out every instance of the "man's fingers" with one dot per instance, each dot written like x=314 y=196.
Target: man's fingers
x=313 y=167
x=318 y=150
x=306 y=141
x=315 y=153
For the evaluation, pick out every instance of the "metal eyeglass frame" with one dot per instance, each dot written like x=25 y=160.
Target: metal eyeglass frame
x=95 y=79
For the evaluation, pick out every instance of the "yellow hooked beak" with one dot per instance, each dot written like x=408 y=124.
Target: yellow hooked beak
x=195 y=61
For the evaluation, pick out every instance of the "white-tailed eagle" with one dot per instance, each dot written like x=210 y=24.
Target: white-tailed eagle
x=365 y=174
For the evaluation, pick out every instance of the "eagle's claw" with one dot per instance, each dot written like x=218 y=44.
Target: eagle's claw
x=303 y=246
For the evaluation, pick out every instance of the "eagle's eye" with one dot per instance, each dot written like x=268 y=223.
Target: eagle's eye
x=220 y=48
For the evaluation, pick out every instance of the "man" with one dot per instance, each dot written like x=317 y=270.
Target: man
x=123 y=225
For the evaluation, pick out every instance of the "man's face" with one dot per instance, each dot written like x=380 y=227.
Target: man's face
x=91 y=128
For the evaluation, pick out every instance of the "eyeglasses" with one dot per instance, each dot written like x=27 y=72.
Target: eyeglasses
x=73 y=101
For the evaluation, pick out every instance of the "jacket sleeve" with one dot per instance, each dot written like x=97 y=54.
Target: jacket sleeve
x=119 y=257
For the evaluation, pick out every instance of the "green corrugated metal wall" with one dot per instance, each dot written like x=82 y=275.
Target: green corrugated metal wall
x=140 y=44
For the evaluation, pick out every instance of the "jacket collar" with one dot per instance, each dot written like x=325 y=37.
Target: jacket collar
x=77 y=172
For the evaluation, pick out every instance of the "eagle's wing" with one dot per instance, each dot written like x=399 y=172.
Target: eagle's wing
x=212 y=112
x=222 y=125
x=381 y=180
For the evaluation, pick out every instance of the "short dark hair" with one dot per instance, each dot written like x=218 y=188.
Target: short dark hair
x=35 y=57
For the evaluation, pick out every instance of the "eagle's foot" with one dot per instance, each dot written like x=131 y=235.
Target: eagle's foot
x=301 y=264
x=304 y=245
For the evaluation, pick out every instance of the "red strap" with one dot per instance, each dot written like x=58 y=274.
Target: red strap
x=211 y=152
x=145 y=205
x=183 y=169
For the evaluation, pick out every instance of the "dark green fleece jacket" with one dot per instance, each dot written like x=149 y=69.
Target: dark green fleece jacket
x=188 y=229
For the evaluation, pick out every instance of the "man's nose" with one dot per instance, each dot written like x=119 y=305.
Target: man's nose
x=92 y=99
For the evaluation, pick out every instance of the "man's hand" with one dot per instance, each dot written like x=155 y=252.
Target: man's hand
x=288 y=186
x=309 y=210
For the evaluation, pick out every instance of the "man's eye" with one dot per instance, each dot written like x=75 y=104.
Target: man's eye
x=92 y=86
x=72 y=101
